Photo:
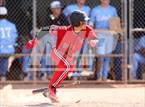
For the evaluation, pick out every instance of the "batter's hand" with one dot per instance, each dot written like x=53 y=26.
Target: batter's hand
x=93 y=43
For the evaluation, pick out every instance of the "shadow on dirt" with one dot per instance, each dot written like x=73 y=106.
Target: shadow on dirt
x=41 y=105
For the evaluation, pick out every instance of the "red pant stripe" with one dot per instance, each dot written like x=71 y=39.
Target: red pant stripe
x=66 y=70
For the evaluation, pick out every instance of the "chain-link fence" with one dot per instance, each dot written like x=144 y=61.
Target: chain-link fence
x=36 y=65
x=136 y=40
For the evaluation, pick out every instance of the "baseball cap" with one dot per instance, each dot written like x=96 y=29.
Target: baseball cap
x=3 y=11
x=55 y=4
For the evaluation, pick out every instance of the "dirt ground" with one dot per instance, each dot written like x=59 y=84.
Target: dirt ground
x=76 y=97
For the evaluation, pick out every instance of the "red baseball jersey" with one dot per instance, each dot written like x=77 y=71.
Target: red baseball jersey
x=68 y=42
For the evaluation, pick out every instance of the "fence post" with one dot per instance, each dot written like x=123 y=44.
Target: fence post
x=130 y=34
x=34 y=16
x=34 y=34
x=125 y=28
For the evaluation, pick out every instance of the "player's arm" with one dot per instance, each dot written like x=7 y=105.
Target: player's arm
x=54 y=29
x=92 y=37
x=31 y=43
x=115 y=12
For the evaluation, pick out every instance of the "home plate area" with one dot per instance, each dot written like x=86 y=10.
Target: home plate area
x=75 y=97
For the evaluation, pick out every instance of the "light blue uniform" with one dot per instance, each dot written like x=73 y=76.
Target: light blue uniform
x=8 y=35
x=73 y=7
x=137 y=57
x=100 y=16
x=100 y=19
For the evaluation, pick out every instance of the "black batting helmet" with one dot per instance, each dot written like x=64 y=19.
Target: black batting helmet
x=76 y=17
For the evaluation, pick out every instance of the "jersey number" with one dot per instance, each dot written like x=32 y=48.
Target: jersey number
x=5 y=32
